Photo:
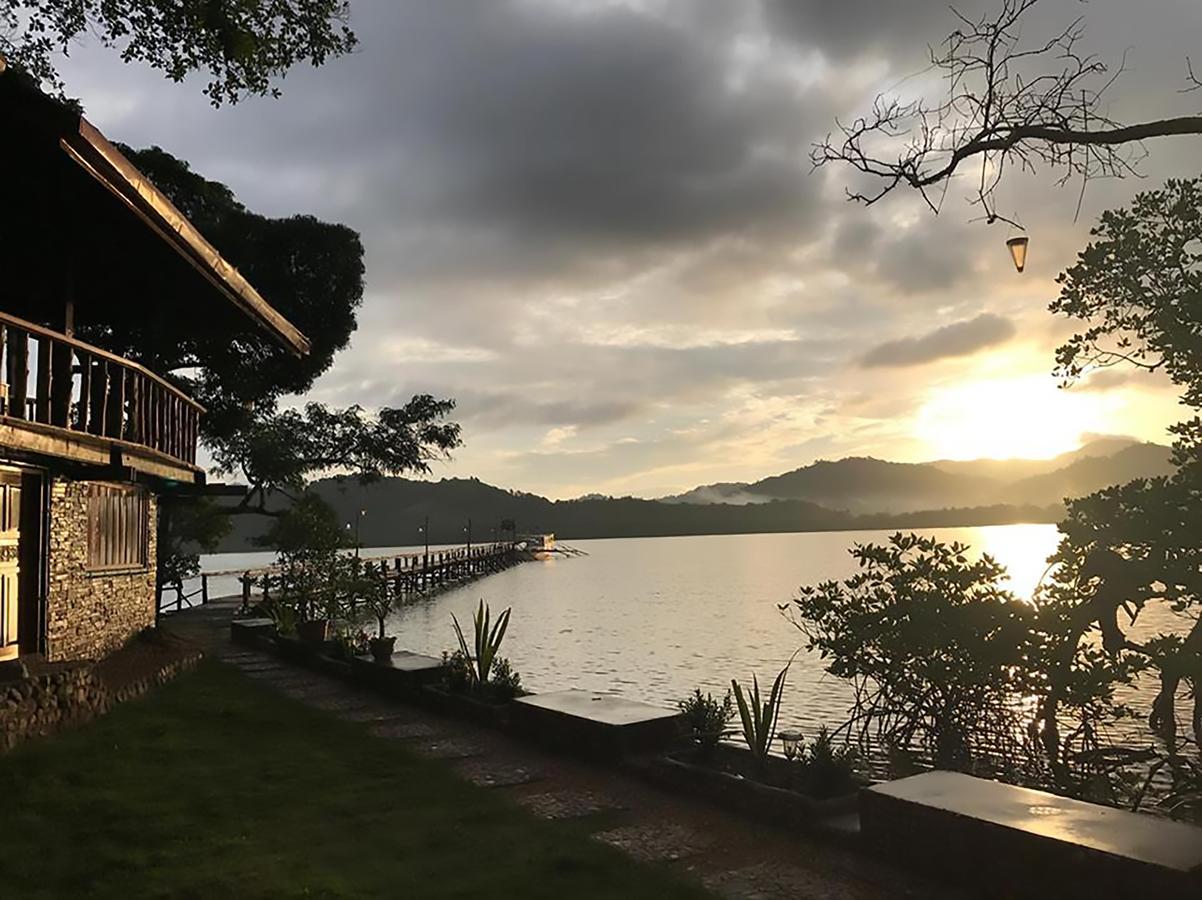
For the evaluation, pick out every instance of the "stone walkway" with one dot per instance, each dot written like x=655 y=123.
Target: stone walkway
x=733 y=857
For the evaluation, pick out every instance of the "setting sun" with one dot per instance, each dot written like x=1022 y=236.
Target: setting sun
x=1027 y=417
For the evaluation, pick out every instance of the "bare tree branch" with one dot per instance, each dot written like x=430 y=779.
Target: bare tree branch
x=1007 y=104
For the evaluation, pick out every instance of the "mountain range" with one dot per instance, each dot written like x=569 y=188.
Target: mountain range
x=845 y=494
x=866 y=485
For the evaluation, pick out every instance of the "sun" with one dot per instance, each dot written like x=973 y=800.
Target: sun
x=1012 y=418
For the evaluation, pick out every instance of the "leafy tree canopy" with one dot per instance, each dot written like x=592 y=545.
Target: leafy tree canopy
x=244 y=46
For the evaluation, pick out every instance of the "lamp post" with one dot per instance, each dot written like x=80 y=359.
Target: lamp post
x=358 y=519
x=425 y=531
x=468 y=530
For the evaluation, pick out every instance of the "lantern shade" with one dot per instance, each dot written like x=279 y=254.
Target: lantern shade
x=791 y=742
x=1018 y=250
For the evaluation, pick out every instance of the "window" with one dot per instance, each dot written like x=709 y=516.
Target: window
x=117 y=523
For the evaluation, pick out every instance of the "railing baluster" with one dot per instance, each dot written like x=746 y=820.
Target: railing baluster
x=18 y=371
x=41 y=390
x=62 y=382
x=116 y=404
x=85 y=392
x=100 y=390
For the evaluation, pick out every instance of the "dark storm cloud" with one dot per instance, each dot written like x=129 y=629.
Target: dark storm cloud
x=842 y=28
x=957 y=339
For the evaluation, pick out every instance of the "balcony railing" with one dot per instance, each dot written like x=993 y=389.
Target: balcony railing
x=49 y=378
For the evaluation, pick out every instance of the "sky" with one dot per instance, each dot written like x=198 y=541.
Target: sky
x=596 y=226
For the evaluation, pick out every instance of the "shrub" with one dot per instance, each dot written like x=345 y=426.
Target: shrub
x=706 y=717
x=504 y=683
x=828 y=771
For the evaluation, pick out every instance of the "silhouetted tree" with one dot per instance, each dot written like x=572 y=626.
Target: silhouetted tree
x=243 y=45
x=1011 y=101
x=1137 y=289
x=312 y=272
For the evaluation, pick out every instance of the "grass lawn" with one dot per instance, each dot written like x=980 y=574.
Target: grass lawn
x=215 y=787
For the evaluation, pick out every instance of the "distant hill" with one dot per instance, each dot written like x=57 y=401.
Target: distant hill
x=864 y=485
x=848 y=494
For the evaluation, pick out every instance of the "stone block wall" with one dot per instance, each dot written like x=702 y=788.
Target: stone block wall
x=68 y=694
x=91 y=614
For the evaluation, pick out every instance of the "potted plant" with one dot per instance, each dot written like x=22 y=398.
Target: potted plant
x=311 y=569
x=379 y=598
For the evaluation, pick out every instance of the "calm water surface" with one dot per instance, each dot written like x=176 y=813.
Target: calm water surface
x=652 y=618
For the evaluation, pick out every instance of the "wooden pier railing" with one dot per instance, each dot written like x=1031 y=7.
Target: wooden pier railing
x=52 y=379
x=408 y=573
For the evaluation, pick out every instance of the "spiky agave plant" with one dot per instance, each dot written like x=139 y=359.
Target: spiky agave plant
x=487 y=641
x=759 y=719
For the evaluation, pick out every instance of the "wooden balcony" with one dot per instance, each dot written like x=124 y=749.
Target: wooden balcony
x=62 y=397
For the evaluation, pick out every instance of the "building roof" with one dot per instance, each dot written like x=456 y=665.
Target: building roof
x=83 y=143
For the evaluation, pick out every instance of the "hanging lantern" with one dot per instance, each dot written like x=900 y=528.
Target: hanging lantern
x=1018 y=250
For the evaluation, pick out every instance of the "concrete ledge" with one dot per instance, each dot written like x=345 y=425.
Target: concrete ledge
x=404 y=673
x=244 y=631
x=1022 y=842
x=598 y=725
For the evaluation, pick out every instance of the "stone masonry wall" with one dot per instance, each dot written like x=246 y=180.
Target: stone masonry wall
x=90 y=614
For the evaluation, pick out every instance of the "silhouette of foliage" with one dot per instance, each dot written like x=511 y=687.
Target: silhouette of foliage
x=935 y=648
x=1132 y=548
x=244 y=47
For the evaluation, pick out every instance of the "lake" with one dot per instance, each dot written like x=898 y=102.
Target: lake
x=652 y=618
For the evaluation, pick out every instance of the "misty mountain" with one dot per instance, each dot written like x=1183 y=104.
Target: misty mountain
x=394 y=510
x=848 y=494
x=866 y=485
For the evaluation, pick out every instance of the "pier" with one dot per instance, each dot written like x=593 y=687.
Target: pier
x=410 y=574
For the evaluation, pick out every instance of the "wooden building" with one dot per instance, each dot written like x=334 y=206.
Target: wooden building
x=90 y=438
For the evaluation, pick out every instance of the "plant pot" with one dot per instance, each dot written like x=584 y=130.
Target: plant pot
x=382 y=647
x=314 y=631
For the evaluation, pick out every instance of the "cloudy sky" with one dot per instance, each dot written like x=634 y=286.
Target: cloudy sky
x=595 y=225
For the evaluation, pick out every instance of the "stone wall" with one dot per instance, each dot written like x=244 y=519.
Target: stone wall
x=90 y=614
x=67 y=694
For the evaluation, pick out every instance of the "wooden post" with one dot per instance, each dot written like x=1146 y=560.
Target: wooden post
x=204 y=588
x=179 y=596
x=246 y=582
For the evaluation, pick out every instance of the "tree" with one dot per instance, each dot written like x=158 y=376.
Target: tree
x=312 y=272
x=1009 y=103
x=1129 y=549
x=934 y=647
x=244 y=46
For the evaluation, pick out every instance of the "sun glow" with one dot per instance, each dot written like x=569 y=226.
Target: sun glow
x=1027 y=418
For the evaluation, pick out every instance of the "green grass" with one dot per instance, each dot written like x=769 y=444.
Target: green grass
x=215 y=787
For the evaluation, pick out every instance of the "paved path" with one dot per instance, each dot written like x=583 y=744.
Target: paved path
x=733 y=857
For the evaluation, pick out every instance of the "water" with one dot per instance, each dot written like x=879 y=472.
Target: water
x=652 y=618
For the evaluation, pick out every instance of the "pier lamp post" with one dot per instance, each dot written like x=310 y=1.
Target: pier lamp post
x=358 y=519
x=468 y=531
x=424 y=530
